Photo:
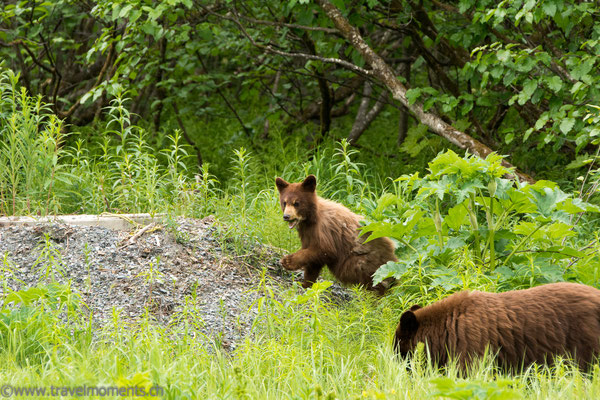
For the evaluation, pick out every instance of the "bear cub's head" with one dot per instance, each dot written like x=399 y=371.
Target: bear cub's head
x=298 y=200
x=406 y=331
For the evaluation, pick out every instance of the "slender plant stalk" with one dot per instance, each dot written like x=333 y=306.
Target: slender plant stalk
x=523 y=241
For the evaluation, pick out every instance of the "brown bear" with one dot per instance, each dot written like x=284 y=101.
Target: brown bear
x=520 y=326
x=329 y=233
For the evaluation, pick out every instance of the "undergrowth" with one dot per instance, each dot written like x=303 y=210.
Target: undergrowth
x=302 y=346
x=462 y=226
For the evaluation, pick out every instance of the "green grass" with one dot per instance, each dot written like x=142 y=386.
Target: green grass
x=302 y=347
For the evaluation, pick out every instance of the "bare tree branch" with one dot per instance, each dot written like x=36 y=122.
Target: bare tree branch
x=20 y=42
x=184 y=131
x=269 y=48
x=229 y=105
x=273 y=93
x=77 y=103
x=384 y=73
x=293 y=26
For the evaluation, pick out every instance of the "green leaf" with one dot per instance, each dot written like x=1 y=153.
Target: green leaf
x=440 y=188
x=134 y=15
x=528 y=89
x=520 y=201
x=577 y=86
x=456 y=217
x=566 y=125
x=550 y=271
x=504 y=273
x=559 y=230
x=396 y=231
x=390 y=269
x=575 y=206
x=563 y=252
x=503 y=55
x=509 y=77
x=542 y=120
x=526 y=227
x=464 y=5
x=508 y=138
x=425 y=228
x=583 y=68
x=454 y=243
x=554 y=83
x=546 y=199
x=446 y=278
x=412 y=95
x=27 y=296
x=502 y=188
x=549 y=7
x=386 y=200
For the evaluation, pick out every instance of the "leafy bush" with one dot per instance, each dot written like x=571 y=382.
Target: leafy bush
x=509 y=232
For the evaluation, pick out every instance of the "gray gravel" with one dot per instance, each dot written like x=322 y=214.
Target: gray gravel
x=157 y=272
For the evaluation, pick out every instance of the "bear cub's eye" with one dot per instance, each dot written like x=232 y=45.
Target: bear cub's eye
x=296 y=204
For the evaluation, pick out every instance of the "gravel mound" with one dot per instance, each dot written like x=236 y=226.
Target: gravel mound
x=156 y=272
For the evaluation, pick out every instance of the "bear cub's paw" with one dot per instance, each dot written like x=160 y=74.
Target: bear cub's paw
x=287 y=262
x=307 y=284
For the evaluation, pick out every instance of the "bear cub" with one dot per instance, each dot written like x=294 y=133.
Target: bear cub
x=329 y=233
x=520 y=326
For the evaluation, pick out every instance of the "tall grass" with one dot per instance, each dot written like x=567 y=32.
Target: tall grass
x=30 y=154
x=126 y=174
x=302 y=346
x=115 y=171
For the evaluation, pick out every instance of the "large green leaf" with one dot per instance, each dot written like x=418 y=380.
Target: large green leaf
x=457 y=216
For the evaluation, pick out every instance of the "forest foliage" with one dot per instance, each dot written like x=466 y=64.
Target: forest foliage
x=520 y=77
x=193 y=107
x=140 y=105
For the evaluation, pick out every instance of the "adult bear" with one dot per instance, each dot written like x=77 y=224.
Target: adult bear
x=329 y=233
x=521 y=326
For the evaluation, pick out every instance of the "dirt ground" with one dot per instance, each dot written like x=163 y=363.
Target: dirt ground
x=156 y=272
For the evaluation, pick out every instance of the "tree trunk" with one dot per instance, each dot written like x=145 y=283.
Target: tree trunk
x=266 y=125
x=364 y=116
x=326 y=93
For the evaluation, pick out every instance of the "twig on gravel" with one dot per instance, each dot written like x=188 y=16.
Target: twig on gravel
x=242 y=255
x=67 y=235
x=137 y=235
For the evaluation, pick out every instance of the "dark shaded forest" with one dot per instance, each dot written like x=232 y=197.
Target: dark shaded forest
x=400 y=80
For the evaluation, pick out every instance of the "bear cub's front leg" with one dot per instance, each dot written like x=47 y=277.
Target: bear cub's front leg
x=311 y=273
x=300 y=259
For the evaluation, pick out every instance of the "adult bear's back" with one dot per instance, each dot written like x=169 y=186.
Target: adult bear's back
x=522 y=326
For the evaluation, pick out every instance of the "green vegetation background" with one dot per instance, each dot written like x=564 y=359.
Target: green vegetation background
x=459 y=222
x=302 y=346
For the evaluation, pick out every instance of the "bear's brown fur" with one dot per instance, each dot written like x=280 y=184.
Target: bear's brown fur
x=329 y=235
x=521 y=326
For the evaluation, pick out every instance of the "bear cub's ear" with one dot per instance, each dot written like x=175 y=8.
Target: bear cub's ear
x=281 y=184
x=415 y=307
x=310 y=183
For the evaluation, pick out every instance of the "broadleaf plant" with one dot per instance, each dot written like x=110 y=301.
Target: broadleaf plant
x=512 y=231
